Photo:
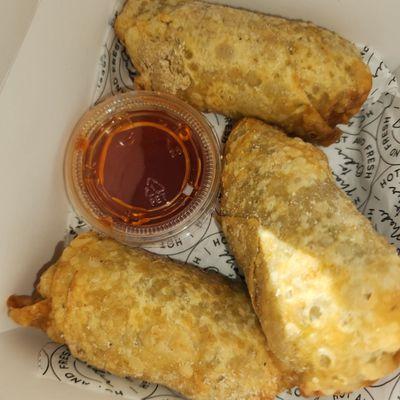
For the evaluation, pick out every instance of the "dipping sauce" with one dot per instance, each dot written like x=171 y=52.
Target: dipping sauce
x=142 y=167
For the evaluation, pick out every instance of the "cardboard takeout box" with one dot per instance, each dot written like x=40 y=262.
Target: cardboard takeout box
x=50 y=52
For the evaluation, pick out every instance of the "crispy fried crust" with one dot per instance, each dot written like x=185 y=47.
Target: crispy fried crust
x=293 y=74
x=325 y=285
x=134 y=314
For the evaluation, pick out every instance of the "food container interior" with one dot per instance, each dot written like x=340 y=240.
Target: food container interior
x=51 y=51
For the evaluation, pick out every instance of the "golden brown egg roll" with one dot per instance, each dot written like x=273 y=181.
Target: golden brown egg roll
x=324 y=284
x=294 y=74
x=135 y=314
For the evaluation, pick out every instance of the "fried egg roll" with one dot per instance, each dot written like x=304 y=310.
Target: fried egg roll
x=134 y=314
x=324 y=284
x=290 y=73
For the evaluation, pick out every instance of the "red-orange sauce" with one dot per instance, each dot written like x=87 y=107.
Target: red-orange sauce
x=142 y=167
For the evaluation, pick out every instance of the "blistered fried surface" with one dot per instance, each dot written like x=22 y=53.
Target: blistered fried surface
x=325 y=285
x=134 y=314
x=240 y=63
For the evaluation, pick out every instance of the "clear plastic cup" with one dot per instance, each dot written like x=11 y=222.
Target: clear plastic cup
x=131 y=226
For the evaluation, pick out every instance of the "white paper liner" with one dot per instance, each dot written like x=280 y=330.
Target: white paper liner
x=366 y=165
x=55 y=361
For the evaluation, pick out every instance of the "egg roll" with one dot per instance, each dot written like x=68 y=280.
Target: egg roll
x=135 y=314
x=236 y=62
x=324 y=284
